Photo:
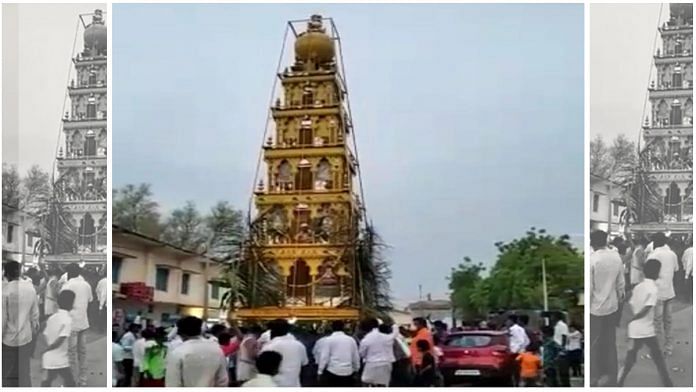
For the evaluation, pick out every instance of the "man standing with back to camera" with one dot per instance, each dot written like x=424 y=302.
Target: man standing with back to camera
x=607 y=290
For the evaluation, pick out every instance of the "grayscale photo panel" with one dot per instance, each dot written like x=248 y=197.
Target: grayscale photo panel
x=641 y=195
x=54 y=195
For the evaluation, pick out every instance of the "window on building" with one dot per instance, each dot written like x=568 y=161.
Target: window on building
x=677 y=80
x=29 y=242
x=215 y=290
x=303 y=179
x=678 y=48
x=306 y=138
x=10 y=233
x=116 y=268
x=185 y=279
x=307 y=97
x=595 y=202
x=92 y=78
x=675 y=116
x=162 y=279
x=615 y=208
x=92 y=108
x=90 y=145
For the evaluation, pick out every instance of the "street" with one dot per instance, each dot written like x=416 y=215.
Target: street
x=680 y=364
x=96 y=359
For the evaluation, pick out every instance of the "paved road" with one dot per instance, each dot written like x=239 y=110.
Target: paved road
x=96 y=359
x=680 y=363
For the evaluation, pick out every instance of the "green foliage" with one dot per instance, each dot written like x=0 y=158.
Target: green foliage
x=11 y=184
x=225 y=225
x=515 y=280
x=184 y=228
x=134 y=209
x=466 y=285
x=615 y=161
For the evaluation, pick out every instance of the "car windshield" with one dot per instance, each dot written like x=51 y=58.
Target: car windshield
x=469 y=341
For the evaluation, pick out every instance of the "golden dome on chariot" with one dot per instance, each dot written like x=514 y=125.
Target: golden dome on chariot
x=314 y=44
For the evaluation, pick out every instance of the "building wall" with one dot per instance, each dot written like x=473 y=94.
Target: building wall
x=140 y=261
x=601 y=206
x=18 y=246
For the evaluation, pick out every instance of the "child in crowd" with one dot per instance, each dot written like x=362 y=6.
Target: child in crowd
x=55 y=359
x=530 y=365
x=550 y=353
x=426 y=370
x=267 y=366
x=641 y=329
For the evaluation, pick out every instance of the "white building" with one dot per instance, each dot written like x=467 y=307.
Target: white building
x=180 y=282
x=18 y=236
x=606 y=205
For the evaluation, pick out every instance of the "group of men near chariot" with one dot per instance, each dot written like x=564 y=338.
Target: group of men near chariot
x=46 y=314
x=376 y=353
x=646 y=275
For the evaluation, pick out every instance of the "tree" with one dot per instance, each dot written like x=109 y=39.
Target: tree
x=225 y=229
x=599 y=157
x=613 y=161
x=184 y=228
x=35 y=192
x=134 y=209
x=11 y=184
x=463 y=283
x=515 y=280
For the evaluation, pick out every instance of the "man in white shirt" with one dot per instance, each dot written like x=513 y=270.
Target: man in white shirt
x=197 y=362
x=339 y=359
x=560 y=330
x=665 y=288
x=51 y=292
x=607 y=290
x=268 y=364
x=641 y=329
x=139 y=354
x=560 y=335
x=377 y=352
x=20 y=322
x=518 y=336
x=688 y=263
x=637 y=261
x=55 y=359
x=518 y=342
x=80 y=323
x=294 y=354
x=127 y=342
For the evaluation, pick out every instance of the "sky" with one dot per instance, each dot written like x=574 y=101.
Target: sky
x=37 y=41
x=468 y=118
x=621 y=50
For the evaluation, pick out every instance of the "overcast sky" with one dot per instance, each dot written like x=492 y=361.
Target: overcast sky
x=469 y=118
x=621 y=50
x=37 y=42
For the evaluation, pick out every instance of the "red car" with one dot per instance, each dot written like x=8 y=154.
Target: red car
x=477 y=356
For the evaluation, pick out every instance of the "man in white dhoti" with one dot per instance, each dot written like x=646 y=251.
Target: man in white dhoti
x=377 y=352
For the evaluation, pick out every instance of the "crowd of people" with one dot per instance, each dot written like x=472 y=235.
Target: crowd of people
x=371 y=353
x=49 y=309
x=647 y=275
